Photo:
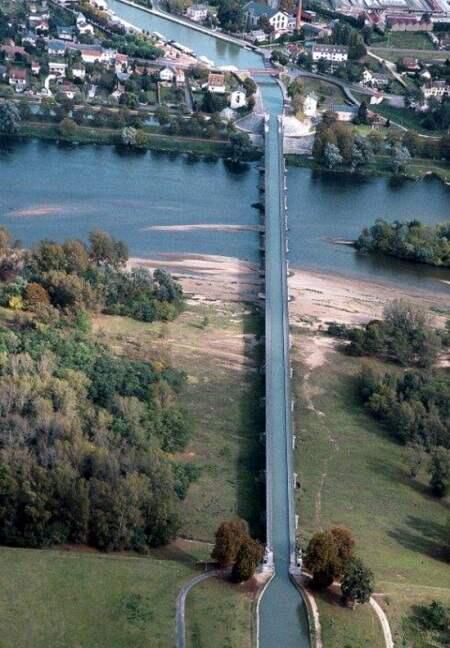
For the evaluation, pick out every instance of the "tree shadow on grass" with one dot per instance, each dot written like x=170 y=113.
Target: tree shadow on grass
x=423 y=536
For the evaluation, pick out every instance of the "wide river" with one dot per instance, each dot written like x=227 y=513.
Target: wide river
x=56 y=192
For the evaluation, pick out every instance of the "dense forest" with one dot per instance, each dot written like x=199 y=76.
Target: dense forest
x=413 y=241
x=86 y=436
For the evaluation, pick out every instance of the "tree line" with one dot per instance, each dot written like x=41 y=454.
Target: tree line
x=412 y=241
x=73 y=276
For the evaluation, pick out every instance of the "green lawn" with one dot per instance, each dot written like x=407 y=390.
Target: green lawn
x=328 y=92
x=407 y=40
x=353 y=474
x=57 y=599
x=223 y=394
x=220 y=614
x=344 y=628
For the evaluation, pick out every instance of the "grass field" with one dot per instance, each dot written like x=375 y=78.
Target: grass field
x=328 y=93
x=407 y=40
x=61 y=599
x=219 y=614
x=352 y=474
x=223 y=394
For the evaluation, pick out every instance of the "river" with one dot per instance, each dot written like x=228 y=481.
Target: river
x=125 y=193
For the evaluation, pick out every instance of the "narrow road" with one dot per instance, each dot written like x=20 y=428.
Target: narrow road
x=181 y=603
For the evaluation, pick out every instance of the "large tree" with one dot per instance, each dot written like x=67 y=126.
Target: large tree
x=249 y=555
x=357 y=582
x=9 y=118
x=229 y=538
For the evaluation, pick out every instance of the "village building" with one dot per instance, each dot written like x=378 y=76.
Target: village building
x=197 y=12
x=344 y=112
x=216 y=83
x=180 y=78
x=58 y=68
x=238 y=99
x=310 y=104
x=410 y=64
x=254 y=11
x=35 y=68
x=437 y=89
x=65 y=33
x=332 y=53
x=18 y=78
x=407 y=23
x=78 y=71
x=56 y=48
x=167 y=75
x=13 y=51
x=83 y=27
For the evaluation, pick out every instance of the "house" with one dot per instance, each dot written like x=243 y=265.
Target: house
x=83 y=27
x=65 y=33
x=216 y=82
x=56 y=48
x=258 y=36
x=437 y=89
x=376 y=98
x=310 y=104
x=374 y=79
x=197 y=12
x=254 y=11
x=121 y=63
x=12 y=52
x=90 y=53
x=78 y=71
x=69 y=90
x=29 y=38
x=180 y=78
x=344 y=112
x=35 y=68
x=167 y=75
x=410 y=64
x=18 y=78
x=409 y=23
x=332 y=53
x=58 y=68
x=238 y=99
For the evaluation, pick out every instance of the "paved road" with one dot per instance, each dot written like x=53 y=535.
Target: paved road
x=181 y=603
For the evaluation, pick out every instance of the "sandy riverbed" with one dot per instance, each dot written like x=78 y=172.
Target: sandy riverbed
x=316 y=297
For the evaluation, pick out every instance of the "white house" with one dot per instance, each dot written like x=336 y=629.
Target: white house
x=216 y=82
x=35 y=67
x=238 y=99
x=180 y=78
x=437 y=89
x=310 y=104
x=332 y=53
x=167 y=75
x=83 y=27
x=58 y=68
x=197 y=12
x=254 y=11
x=78 y=71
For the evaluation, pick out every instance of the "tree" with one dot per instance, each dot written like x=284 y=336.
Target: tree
x=162 y=115
x=400 y=158
x=106 y=250
x=332 y=156
x=240 y=146
x=357 y=583
x=440 y=471
x=229 y=538
x=249 y=555
x=67 y=127
x=344 y=543
x=36 y=294
x=321 y=559
x=363 y=113
x=9 y=118
x=129 y=136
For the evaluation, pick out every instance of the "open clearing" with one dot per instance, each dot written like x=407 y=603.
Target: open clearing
x=350 y=471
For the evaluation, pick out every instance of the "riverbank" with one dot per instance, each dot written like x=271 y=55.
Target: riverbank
x=147 y=141
x=417 y=168
x=350 y=470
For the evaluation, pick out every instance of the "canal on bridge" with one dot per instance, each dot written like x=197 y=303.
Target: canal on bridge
x=282 y=619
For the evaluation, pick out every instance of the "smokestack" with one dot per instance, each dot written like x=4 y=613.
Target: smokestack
x=298 y=17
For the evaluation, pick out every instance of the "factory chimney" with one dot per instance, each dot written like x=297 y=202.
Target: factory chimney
x=298 y=17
